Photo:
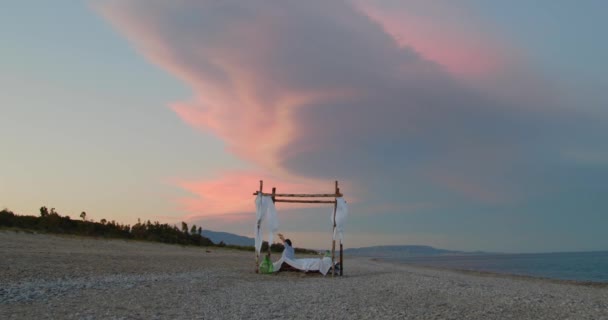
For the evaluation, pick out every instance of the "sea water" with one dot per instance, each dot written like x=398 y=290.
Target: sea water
x=580 y=266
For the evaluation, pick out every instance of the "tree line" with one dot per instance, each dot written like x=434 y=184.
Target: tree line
x=50 y=221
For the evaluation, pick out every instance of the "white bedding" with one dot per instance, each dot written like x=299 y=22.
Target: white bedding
x=309 y=264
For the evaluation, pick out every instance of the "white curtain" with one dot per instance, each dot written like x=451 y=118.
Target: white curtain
x=272 y=222
x=260 y=212
x=265 y=210
x=341 y=214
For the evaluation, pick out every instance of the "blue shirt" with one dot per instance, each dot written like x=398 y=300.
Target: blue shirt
x=288 y=252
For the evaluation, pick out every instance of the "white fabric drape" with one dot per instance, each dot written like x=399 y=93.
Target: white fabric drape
x=260 y=212
x=265 y=210
x=272 y=222
x=341 y=214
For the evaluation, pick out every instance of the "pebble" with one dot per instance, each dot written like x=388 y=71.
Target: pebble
x=72 y=278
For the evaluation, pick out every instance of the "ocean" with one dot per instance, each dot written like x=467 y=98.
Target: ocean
x=579 y=266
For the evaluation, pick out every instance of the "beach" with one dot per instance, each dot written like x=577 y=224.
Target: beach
x=67 y=277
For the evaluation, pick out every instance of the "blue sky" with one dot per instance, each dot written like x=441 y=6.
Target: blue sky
x=85 y=119
x=474 y=127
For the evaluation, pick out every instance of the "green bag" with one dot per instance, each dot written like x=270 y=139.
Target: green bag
x=266 y=266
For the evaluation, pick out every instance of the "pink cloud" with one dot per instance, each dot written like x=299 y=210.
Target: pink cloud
x=237 y=95
x=444 y=33
x=315 y=89
x=230 y=195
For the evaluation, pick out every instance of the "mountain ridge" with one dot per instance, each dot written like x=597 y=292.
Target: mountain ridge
x=393 y=251
x=228 y=238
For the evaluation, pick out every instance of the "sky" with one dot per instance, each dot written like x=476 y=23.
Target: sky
x=476 y=125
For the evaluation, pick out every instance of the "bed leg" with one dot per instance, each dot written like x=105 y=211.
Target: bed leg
x=333 y=258
x=341 y=259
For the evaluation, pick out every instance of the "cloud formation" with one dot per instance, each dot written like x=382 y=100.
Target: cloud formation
x=374 y=93
x=231 y=192
x=447 y=33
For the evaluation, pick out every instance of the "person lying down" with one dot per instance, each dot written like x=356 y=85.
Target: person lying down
x=288 y=261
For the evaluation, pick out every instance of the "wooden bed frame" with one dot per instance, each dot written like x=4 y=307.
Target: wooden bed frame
x=297 y=198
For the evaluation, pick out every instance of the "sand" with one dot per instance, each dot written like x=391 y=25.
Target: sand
x=65 y=277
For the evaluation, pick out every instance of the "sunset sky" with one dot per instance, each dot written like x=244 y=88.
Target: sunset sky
x=468 y=125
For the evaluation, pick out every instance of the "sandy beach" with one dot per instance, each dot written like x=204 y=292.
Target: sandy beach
x=65 y=277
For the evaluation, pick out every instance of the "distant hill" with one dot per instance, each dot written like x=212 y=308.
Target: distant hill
x=228 y=238
x=376 y=251
x=399 y=251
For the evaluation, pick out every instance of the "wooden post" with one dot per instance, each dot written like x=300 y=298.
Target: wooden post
x=257 y=255
x=341 y=259
x=333 y=241
x=274 y=191
x=341 y=251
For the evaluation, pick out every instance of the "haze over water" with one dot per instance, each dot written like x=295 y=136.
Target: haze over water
x=580 y=266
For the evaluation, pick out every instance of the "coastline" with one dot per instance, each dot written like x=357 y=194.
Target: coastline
x=47 y=276
x=481 y=273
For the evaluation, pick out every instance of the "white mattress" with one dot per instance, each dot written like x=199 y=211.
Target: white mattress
x=309 y=264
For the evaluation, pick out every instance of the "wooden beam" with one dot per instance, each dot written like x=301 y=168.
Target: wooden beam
x=304 y=201
x=301 y=195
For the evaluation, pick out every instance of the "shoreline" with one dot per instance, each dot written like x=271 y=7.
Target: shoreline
x=58 y=277
x=482 y=273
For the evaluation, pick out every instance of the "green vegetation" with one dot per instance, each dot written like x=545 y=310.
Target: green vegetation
x=51 y=221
